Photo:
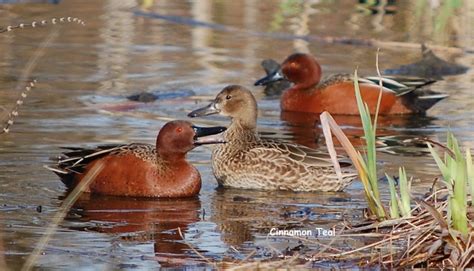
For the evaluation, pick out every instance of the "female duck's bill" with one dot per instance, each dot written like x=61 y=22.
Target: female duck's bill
x=142 y=170
x=247 y=161
x=336 y=94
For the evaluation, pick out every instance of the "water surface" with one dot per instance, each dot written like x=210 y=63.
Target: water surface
x=186 y=51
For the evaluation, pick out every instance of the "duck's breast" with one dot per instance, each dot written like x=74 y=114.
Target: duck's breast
x=129 y=175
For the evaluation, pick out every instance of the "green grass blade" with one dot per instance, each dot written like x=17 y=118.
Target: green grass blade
x=404 y=192
x=371 y=185
x=394 y=210
x=470 y=173
x=459 y=203
x=441 y=165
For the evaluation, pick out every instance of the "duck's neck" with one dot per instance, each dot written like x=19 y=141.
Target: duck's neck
x=241 y=130
x=172 y=158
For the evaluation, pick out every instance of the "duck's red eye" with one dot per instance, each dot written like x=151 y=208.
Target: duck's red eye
x=179 y=130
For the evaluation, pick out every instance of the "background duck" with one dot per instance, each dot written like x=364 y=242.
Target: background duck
x=142 y=170
x=274 y=88
x=247 y=161
x=335 y=93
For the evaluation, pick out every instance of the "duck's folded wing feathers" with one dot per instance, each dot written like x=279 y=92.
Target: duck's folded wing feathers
x=308 y=156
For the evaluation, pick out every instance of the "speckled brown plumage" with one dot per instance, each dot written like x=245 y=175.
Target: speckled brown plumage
x=271 y=165
x=247 y=161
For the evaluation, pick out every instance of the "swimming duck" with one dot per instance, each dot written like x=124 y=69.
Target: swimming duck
x=273 y=88
x=142 y=170
x=247 y=161
x=336 y=95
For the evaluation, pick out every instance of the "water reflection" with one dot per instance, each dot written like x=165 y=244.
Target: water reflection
x=307 y=130
x=244 y=215
x=170 y=46
x=140 y=221
x=2 y=249
x=117 y=33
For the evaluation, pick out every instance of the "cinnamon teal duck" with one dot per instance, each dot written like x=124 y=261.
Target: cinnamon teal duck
x=247 y=161
x=336 y=95
x=141 y=170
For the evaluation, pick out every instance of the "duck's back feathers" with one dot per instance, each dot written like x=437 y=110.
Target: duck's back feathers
x=273 y=165
x=400 y=84
x=75 y=160
x=411 y=90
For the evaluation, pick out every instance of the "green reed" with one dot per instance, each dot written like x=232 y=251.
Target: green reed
x=400 y=202
x=369 y=160
x=457 y=172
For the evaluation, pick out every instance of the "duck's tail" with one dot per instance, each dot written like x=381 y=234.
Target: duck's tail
x=74 y=160
x=420 y=100
x=412 y=90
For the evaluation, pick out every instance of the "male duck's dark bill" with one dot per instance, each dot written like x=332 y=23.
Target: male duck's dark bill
x=277 y=75
x=208 y=110
x=208 y=135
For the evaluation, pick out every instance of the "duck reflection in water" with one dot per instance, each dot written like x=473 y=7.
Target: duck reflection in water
x=3 y=265
x=142 y=220
x=247 y=216
x=392 y=130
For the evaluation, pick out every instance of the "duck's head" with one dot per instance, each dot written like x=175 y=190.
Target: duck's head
x=233 y=101
x=270 y=66
x=301 y=69
x=179 y=136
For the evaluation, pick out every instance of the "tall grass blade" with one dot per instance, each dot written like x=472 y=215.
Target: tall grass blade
x=59 y=216
x=404 y=192
x=371 y=159
x=455 y=171
x=470 y=173
x=394 y=210
x=441 y=165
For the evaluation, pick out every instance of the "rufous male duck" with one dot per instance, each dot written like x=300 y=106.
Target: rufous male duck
x=336 y=94
x=247 y=161
x=142 y=170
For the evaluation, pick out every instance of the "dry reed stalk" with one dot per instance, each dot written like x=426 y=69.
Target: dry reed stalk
x=422 y=239
x=32 y=62
x=260 y=265
x=3 y=265
x=24 y=75
x=61 y=213
x=10 y=119
x=424 y=243
x=195 y=250
x=35 y=24
x=39 y=53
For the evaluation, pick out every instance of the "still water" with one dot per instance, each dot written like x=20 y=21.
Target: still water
x=185 y=52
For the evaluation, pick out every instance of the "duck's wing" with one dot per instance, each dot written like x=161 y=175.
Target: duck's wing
x=412 y=91
x=298 y=153
x=388 y=84
x=399 y=84
x=74 y=160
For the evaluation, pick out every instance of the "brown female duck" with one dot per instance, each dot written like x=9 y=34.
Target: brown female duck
x=247 y=161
